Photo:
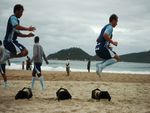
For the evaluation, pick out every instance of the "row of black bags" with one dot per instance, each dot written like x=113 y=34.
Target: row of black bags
x=63 y=94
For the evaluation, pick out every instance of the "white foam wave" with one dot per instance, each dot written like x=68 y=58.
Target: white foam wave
x=15 y=66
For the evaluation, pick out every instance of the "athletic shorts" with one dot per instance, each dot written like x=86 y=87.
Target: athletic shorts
x=2 y=68
x=14 y=47
x=103 y=52
x=36 y=69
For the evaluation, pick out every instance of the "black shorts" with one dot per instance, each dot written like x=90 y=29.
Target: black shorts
x=14 y=47
x=36 y=69
x=2 y=68
x=104 y=52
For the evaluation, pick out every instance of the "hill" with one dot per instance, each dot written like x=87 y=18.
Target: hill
x=141 y=57
x=71 y=53
x=78 y=54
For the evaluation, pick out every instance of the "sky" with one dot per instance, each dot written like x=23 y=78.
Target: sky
x=63 y=24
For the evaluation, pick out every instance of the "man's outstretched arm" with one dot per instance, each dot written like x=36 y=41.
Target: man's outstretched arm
x=19 y=27
x=25 y=35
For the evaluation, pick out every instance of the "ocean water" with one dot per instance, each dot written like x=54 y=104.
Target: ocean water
x=81 y=66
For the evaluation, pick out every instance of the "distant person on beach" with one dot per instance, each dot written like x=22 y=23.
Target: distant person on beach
x=89 y=65
x=13 y=48
x=3 y=67
x=68 y=67
x=23 y=65
x=103 y=48
x=28 y=63
x=38 y=55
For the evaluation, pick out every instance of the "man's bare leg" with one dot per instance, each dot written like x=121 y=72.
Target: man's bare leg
x=22 y=54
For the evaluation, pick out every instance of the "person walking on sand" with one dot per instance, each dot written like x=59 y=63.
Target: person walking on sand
x=38 y=55
x=103 y=48
x=13 y=48
x=3 y=67
x=28 y=64
x=89 y=65
x=23 y=65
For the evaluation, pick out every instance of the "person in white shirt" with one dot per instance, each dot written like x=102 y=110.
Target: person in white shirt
x=38 y=55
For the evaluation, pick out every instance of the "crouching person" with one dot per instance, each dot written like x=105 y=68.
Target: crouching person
x=38 y=55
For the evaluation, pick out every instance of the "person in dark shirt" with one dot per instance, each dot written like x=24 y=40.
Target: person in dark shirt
x=89 y=65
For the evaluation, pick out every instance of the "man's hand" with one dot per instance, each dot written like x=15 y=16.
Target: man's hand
x=30 y=35
x=110 y=47
x=115 y=43
x=31 y=28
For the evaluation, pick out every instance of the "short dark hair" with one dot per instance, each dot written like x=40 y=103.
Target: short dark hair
x=18 y=7
x=113 y=17
x=0 y=42
x=36 y=39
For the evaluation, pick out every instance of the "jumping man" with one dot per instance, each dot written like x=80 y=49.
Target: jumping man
x=13 y=48
x=103 y=48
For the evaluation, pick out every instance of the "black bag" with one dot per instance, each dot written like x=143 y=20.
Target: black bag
x=63 y=94
x=98 y=94
x=25 y=93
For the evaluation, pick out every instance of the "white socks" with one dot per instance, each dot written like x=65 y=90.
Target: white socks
x=98 y=68
x=41 y=79
x=42 y=82
x=33 y=81
x=101 y=66
x=5 y=84
x=108 y=62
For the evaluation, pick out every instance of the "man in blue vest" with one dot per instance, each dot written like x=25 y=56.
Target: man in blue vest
x=103 y=48
x=13 y=48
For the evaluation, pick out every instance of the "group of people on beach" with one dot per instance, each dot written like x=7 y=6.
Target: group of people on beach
x=13 y=49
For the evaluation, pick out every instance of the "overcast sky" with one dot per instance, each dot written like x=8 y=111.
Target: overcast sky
x=77 y=23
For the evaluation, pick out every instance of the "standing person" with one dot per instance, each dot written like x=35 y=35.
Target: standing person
x=28 y=63
x=3 y=66
x=23 y=65
x=103 y=48
x=68 y=67
x=13 y=48
x=38 y=54
x=89 y=65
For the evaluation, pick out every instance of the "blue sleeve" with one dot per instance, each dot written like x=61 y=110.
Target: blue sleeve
x=14 y=21
x=109 y=30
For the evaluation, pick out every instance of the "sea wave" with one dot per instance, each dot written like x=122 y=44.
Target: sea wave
x=15 y=66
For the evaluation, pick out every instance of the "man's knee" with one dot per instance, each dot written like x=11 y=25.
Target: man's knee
x=24 y=52
x=117 y=57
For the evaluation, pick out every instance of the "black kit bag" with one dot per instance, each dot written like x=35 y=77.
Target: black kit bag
x=63 y=94
x=25 y=93
x=98 y=94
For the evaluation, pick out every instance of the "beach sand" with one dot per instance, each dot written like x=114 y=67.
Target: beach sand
x=130 y=93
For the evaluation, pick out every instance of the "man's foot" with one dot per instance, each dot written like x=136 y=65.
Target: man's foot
x=5 y=85
x=43 y=89
x=99 y=69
